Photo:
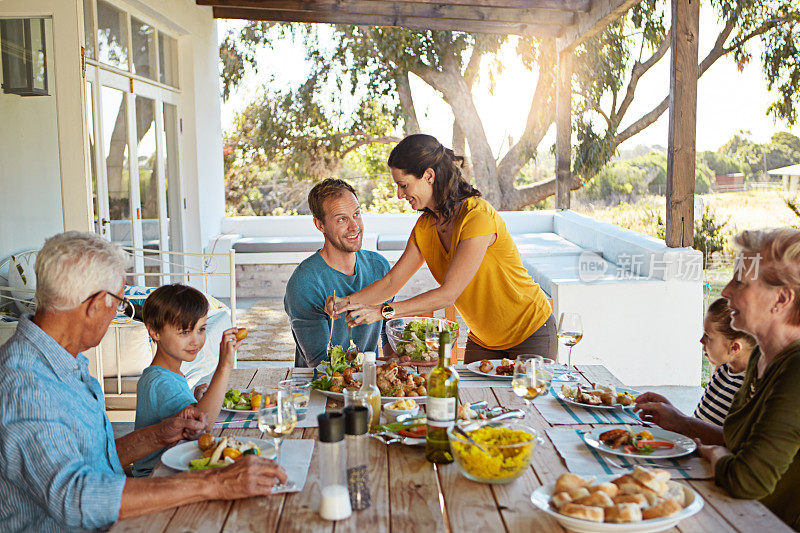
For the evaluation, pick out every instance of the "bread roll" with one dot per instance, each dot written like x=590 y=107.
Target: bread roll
x=594 y=514
x=560 y=498
x=580 y=492
x=623 y=512
x=652 y=479
x=628 y=485
x=675 y=492
x=596 y=499
x=638 y=499
x=569 y=481
x=609 y=488
x=662 y=509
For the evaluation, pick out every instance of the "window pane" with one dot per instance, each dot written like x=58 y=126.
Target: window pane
x=88 y=27
x=146 y=157
x=115 y=142
x=168 y=59
x=112 y=36
x=143 y=47
x=92 y=167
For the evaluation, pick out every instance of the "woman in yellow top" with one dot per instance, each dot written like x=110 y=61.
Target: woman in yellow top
x=471 y=255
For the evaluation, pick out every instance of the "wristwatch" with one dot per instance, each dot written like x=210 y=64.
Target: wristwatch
x=387 y=312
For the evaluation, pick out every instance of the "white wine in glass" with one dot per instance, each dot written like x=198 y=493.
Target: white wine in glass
x=523 y=383
x=278 y=422
x=570 y=333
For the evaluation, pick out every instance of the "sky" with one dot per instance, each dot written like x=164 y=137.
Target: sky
x=727 y=101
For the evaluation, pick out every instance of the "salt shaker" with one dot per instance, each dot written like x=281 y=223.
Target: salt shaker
x=335 y=501
x=356 y=425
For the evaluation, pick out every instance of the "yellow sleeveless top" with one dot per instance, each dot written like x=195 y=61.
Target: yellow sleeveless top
x=502 y=305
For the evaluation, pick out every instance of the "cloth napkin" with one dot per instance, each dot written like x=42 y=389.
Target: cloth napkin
x=583 y=459
x=556 y=411
x=247 y=420
x=295 y=459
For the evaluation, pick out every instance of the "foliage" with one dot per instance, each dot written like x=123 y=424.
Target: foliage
x=794 y=207
x=710 y=235
x=719 y=163
x=754 y=159
x=383 y=199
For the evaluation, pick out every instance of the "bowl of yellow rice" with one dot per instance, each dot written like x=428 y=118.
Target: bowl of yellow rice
x=509 y=450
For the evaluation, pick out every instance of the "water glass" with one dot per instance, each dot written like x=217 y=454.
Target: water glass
x=299 y=391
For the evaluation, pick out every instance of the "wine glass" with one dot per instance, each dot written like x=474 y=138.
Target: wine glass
x=299 y=391
x=278 y=421
x=524 y=381
x=570 y=332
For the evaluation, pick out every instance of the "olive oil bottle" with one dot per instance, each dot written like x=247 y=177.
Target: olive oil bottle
x=442 y=406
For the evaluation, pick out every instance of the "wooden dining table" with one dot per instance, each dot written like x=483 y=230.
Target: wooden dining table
x=410 y=494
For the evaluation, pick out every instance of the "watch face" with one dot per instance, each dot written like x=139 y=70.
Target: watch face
x=387 y=312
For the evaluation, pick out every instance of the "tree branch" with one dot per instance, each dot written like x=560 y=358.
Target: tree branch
x=638 y=70
x=368 y=139
x=407 y=109
x=595 y=105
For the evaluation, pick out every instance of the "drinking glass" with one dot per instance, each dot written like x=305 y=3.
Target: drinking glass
x=299 y=390
x=278 y=421
x=570 y=332
x=523 y=383
x=545 y=369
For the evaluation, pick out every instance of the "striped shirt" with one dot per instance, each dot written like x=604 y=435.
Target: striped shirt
x=59 y=467
x=718 y=396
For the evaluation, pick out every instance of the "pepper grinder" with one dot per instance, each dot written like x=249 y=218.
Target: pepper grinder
x=335 y=501
x=356 y=425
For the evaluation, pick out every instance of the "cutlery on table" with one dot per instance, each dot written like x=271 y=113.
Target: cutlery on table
x=617 y=464
x=469 y=439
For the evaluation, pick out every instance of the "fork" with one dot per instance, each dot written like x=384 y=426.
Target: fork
x=616 y=464
x=330 y=319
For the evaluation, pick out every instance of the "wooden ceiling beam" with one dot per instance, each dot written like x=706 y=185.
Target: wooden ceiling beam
x=601 y=14
x=578 y=6
x=406 y=9
x=417 y=23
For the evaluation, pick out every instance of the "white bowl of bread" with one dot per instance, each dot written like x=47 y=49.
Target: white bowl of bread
x=644 y=500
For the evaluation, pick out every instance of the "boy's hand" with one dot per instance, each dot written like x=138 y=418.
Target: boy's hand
x=200 y=390
x=228 y=346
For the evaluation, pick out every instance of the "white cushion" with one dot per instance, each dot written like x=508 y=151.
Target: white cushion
x=544 y=245
x=135 y=350
x=587 y=268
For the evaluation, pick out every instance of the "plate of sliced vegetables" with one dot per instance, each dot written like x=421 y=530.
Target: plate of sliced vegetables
x=208 y=452
x=638 y=441
x=238 y=401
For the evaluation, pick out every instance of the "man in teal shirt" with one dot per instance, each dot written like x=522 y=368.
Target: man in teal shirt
x=341 y=266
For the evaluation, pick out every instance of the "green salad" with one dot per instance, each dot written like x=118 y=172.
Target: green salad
x=336 y=363
x=412 y=341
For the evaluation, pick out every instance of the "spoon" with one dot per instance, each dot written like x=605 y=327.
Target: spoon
x=464 y=434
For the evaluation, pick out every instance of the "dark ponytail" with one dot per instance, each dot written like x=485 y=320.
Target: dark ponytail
x=417 y=153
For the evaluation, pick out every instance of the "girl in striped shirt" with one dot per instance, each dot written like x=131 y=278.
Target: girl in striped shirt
x=728 y=350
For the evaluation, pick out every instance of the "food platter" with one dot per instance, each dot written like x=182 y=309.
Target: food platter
x=475 y=368
x=178 y=457
x=556 y=392
x=541 y=499
x=384 y=399
x=682 y=445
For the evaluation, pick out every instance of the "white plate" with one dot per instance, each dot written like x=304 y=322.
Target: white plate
x=556 y=391
x=541 y=499
x=683 y=445
x=473 y=367
x=178 y=457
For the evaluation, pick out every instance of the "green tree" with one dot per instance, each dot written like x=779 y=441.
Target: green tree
x=374 y=63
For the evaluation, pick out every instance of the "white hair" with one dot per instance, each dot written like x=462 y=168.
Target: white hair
x=73 y=265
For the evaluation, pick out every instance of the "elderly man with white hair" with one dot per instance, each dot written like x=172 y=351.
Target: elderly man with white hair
x=60 y=467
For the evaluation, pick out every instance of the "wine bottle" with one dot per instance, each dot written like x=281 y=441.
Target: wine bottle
x=442 y=405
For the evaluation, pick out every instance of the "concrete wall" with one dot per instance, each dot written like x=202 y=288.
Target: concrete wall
x=30 y=190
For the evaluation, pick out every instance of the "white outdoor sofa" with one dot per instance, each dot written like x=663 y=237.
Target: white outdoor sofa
x=641 y=302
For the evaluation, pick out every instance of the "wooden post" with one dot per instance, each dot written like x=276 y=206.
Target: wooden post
x=682 y=123
x=563 y=129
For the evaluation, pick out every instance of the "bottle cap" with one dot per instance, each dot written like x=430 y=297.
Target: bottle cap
x=331 y=426
x=369 y=357
x=356 y=420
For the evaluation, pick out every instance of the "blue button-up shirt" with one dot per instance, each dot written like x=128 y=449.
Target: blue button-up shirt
x=59 y=467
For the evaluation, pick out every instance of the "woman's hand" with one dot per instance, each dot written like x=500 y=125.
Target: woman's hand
x=358 y=314
x=664 y=415
x=652 y=397
x=228 y=346
x=712 y=453
x=334 y=305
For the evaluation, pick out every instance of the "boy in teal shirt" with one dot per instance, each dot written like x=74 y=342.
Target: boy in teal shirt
x=175 y=316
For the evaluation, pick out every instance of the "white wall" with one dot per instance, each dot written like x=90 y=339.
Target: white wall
x=30 y=185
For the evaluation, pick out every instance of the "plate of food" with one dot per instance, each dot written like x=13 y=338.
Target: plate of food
x=638 y=441
x=645 y=500
x=407 y=337
x=209 y=452
x=238 y=401
x=394 y=381
x=596 y=396
x=493 y=368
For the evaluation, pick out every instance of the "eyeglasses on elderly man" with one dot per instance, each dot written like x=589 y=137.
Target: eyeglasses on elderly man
x=124 y=305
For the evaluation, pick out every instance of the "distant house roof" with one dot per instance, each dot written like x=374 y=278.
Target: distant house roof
x=791 y=170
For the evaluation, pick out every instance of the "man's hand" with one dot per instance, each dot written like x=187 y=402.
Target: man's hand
x=188 y=424
x=334 y=305
x=249 y=476
x=664 y=415
x=228 y=346
x=200 y=390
